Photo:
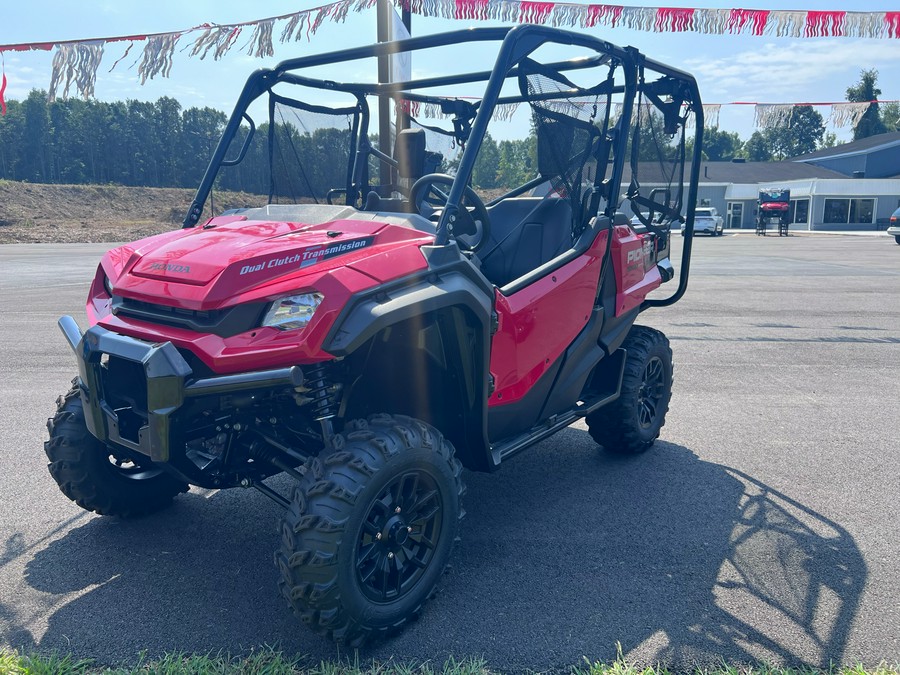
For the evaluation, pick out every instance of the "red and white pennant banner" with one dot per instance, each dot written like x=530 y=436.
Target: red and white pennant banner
x=775 y=22
x=75 y=62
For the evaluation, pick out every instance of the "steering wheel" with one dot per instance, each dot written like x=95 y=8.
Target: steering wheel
x=472 y=228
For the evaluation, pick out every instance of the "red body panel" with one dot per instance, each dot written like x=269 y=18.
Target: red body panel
x=634 y=263
x=538 y=323
x=237 y=261
x=775 y=206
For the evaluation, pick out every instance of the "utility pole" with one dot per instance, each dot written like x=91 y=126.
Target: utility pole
x=406 y=18
x=383 y=11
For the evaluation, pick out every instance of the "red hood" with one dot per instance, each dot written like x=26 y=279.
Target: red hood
x=229 y=256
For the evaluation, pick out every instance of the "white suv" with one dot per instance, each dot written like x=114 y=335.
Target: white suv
x=894 y=227
x=708 y=221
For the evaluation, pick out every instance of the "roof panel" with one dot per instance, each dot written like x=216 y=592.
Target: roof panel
x=862 y=145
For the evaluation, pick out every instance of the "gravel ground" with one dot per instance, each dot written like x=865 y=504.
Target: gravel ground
x=33 y=213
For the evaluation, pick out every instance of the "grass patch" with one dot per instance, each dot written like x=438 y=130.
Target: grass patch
x=270 y=661
x=620 y=667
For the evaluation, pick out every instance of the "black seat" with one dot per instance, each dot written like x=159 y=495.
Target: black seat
x=525 y=233
x=413 y=162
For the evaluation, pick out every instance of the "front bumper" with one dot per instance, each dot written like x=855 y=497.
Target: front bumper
x=703 y=228
x=167 y=383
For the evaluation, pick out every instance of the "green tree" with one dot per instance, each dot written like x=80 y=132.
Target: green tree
x=168 y=136
x=11 y=126
x=201 y=129
x=69 y=142
x=757 y=148
x=115 y=156
x=865 y=90
x=144 y=145
x=653 y=143
x=890 y=115
x=718 y=146
x=34 y=161
x=518 y=161
x=829 y=140
x=485 y=171
x=802 y=135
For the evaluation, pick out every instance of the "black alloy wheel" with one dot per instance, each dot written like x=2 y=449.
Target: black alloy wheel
x=370 y=528
x=652 y=392
x=631 y=423
x=399 y=536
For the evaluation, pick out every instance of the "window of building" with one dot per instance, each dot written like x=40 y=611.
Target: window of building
x=862 y=210
x=849 y=211
x=799 y=210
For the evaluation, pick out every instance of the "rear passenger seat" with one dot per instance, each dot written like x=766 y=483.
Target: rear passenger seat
x=526 y=232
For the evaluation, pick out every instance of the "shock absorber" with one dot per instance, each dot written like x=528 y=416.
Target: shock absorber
x=321 y=390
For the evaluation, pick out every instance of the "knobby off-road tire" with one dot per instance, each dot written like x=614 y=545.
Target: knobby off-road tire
x=91 y=475
x=631 y=423
x=370 y=528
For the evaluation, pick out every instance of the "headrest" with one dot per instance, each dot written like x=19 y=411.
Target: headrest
x=409 y=151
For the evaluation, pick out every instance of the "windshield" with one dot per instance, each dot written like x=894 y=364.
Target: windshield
x=572 y=121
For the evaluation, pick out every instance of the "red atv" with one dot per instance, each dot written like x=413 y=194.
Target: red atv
x=371 y=337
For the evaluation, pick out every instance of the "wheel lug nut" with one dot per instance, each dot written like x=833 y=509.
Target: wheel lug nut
x=390 y=556
x=378 y=536
x=397 y=510
x=409 y=529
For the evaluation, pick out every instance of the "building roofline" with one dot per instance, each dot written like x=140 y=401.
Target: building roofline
x=862 y=146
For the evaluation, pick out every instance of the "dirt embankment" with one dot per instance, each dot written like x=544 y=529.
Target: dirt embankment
x=38 y=213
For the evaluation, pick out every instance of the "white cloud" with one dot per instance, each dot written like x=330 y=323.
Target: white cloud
x=818 y=70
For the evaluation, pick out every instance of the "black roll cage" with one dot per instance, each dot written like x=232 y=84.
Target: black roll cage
x=517 y=43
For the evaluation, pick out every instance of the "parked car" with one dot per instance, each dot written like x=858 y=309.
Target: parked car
x=707 y=220
x=894 y=227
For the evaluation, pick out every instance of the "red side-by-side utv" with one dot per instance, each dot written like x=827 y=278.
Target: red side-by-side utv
x=378 y=321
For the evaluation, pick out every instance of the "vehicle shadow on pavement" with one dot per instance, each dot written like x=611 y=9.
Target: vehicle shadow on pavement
x=681 y=561
x=564 y=553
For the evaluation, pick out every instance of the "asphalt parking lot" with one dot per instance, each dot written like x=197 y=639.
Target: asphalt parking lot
x=762 y=527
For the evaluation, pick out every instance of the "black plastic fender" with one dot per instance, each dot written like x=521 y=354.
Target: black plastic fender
x=452 y=285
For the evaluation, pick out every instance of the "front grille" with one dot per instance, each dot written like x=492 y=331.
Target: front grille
x=124 y=383
x=221 y=322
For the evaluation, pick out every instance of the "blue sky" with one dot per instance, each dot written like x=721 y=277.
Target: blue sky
x=728 y=67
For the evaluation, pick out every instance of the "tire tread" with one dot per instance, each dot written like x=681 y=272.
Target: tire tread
x=614 y=426
x=76 y=463
x=308 y=556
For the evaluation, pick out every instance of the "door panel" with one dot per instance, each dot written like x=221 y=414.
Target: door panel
x=538 y=323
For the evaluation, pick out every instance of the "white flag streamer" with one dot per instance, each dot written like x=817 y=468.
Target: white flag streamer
x=711 y=114
x=848 y=114
x=771 y=115
x=76 y=63
x=157 y=56
x=261 y=40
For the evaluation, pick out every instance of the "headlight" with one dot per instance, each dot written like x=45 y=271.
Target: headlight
x=293 y=312
x=107 y=285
